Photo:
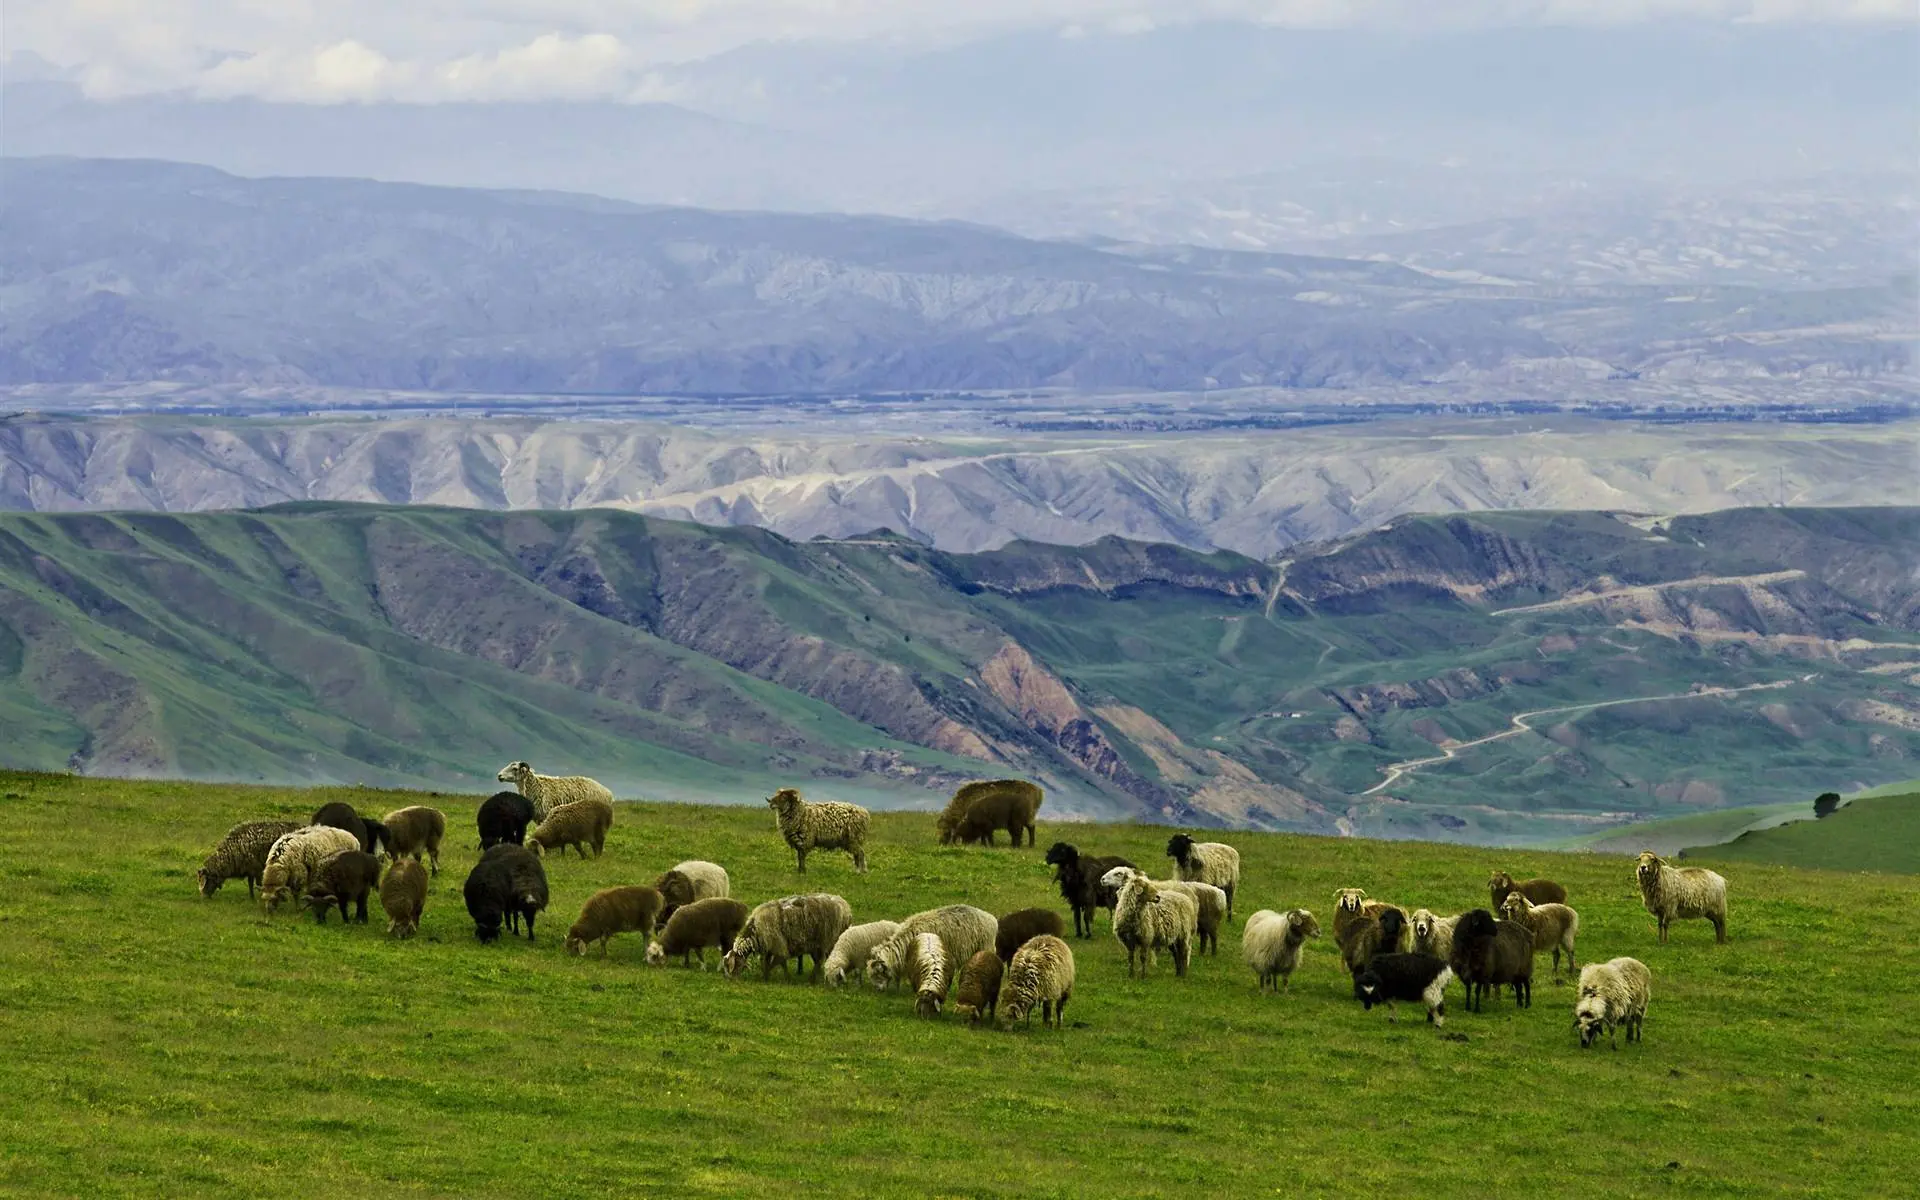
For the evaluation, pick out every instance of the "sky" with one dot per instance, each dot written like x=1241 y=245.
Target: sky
x=438 y=51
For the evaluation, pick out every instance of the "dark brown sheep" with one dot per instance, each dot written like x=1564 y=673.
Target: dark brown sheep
x=338 y=814
x=614 y=910
x=1079 y=878
x=348 y=875
x=1488 y=954
x=979 y=990
x=1539 y=891
x=715 y=922
x=1008 y=804
x=1019 y=928
x=404 y=895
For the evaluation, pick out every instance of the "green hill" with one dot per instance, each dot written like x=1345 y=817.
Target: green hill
x=160 y=1044
x=1879 y=833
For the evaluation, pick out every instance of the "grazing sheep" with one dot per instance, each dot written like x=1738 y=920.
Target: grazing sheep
x=692 y=880
x=293 y=858
x=1209 y=902
x=343 y=876
x=1433 y=935
x=791 y=927
x=415 y=830
x=963 y=929
x=1541 y=891
x=1612 y=993
x=1488 y=953
x=1016 y=928
x=242 y=854
x=1682 y=893
x=1146 y=919
x=927 y=972
x=548 y=792
x=1553 y=926
x=828 y=825
x=1271 y=943
x=504 y=817
x=632 y=909
x=404 y=895
x=338 y=814
x=1041 y=973
x=714 y=921
x=1008 y=804
x=851 y=949
x=1391 y=977
x=506 y=885
x=579 y=824
x=1207 y=862
x=979 y=990
x=1079 y=878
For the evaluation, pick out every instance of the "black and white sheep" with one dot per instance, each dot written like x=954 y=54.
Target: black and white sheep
x=851 y=949
x=609 y=911
x=978 y=991
x=1554 y=926
x=295 y=856
x=1079 y=878
x=504 y=817
x=1388 y=978
x=1147 y=920
x=1018 y=927
x=547 y=792
x=715 y=921
x=403 y=894
x=507 y=885
x=1271 y=943
x=415 y=831
x=1612 y=993
x=338 y=814
x=1541 y=891
x=580 y=824
x=1040 y=974
x=242 y=854
x=828 y=825
x=346 y=876
x=1681 y=893
x=790 y=928
x=963 y=929
x=1489 y=954
x=1206 y=862
x=989 y=806
x=695 y=879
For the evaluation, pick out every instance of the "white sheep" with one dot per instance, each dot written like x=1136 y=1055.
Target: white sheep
x=1680 y=893
x=695 y=879
x=928 y=972
x=1612 y=993
x=791 y=927
x=1041 y=973
x=1207 y=862
x=963 y=929
x=1433 y=934
x=851 y=950
x=294 y=857
x=1553 y=926
x=829 y=825
x=545 y=792
x=1145 y=919
x=1271 y=944
x=1209 y=902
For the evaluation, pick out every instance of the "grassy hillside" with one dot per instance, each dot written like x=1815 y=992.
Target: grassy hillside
x=1880 y=833
x=159 y=1044
x=1671 y=834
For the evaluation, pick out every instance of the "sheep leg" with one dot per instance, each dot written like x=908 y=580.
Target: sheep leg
x=360 y=909
x=802 y=866
x=1719 y=929
x=529 y=924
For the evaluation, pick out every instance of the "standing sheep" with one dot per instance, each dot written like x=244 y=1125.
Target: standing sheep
x=507 y=885
x=851 y=949
x=791 y=927
x=342 y=877
x=338 y=814
x=1612 y=993
x=692 y=880
x=547 y=792
x=414 y=831
x=1682 y=893
x=979 y=990
x=1017 y=928
x=579 y=824
x=1371 y=937
x=1271 y=943
x=1351 y=908
x=242 y=854
x=828 y=825
x=294 y=857
x=404 y=895
x=1209 y=902
x=1433 y=935
x=1147 y=919
x=610 y=911
x=1207 y=862
x=1041 y=973
x=927 y=973
x=1008 y=804
x=504 y=817
x=1488 y=954
x=963 y=929
x=1552 y=925
x=1079 y=878
x=1541 y=891
x=714 y=921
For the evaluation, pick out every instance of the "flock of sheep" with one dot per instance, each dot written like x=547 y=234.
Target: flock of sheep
x=993 y=967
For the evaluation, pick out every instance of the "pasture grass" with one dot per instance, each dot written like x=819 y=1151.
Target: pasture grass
x=158 y=1044
x=1879 y=833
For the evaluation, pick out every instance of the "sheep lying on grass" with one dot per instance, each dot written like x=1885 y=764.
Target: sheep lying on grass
x=347 y=876
x=1682 y=893
x=715 y=921
x=1488 y=954
x=979 y=989
x=1411 y=977
x=1210 y=905
x=1433 y=935
x=1041 y=973
x=415 y=831
x=992 y=805
x=1500 y=885
x=403 y=894
x=1612 y=993
x=547 y=792
x=850 y=951
x=1079 y=878
x=504 y=817
x=610 y=911
x=963 y=929
x=791 y=927
x=1271 y=943
x=1015 y=929
x=1553 y=927
x=825 y=826
x=927 y=972
x=294 y=857
x=1146 y=920
x=507 y=885
x=579 y=824
x=1207 y=862
x=242 y=854
x=695 y=879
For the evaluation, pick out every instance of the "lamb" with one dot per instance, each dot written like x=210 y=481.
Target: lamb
x=1041 y=973
x=1612 y=993
x=1433 y=935
x=1391 y=977
x=1489 y=953
x=1271 y=943
x=1540 y=891
x=825 y=826
x=346 y=875
x=1207 y=862
x=338 y=814
x=404 y=895
x=506 y=885
x=242 y=854
x=692 y=880
x=1209 y=902
x=1552 y=925
x=1682 y=893
x=791 y=927
x=293 y=858
x=927 y=971
x=547 y=792
x=1017 y=928
x=851 y=949
x=714 y=921
x=577 y=824
x=414 y=831
x=979 y=989
x=613 y=910
x=504 y=817
x=963 y=929
x=1008 y=804
x=1351 y=908
x=1146 y=919
x=1079 y=878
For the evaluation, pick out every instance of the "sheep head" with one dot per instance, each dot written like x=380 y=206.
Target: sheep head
x=576 y=946
x=734 y=961
x=926 y=1005
x=656 y=954
x=1179 y=847
x=1349 y=899
x=514 y=772
x=1647 y=867
x=1478 y=923
x=1516 y=906
x=1119 y=877
x=1423 y=924
x=784 y=801
x=1060 y=854
x=880 y=969
x=1302 y=924
x=1589 y=1019
x=208 y=885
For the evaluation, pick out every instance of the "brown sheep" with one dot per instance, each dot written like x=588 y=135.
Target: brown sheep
x=979 y=989
x=1008 y=804
x=1018 y=928
x=1540 y=891
x=342 y=877
x=415 y=831
x=404 y=895
x=714 y=921
x=610 y=911
x=576 y=825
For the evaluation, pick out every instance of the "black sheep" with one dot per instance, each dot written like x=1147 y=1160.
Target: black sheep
x=504 y=817
x=506 y=885
x=1019 y=928
x=1412 y=977
x=1079 y=878
x=1488 y=954
x=347 y=875
x=338 y=814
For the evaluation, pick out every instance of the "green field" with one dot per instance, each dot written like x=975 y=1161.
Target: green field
x=1671 y=834
x=1877 y=833
x=158 y=1044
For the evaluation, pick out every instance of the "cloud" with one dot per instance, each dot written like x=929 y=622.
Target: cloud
x=361 y=51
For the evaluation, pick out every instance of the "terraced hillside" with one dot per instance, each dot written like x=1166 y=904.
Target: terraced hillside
x=1497 y=677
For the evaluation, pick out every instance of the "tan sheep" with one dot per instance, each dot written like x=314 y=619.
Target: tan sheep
x=579 y=824
x=979 y=990
x=403 y=893
x=1146 y=920
x=1351 y=908
x=546 y=792
x=825 y=826
x=1612 y=993
x=1041 y=973
x=414 y=831
x=613 y=910
x=1209 y=902
x=1553 y=926
x=294 y=857
x=715 y=921
x=963 y=929
x=850 y=951
x=1433 y=934
x=1682 y=893
x=692 y=880
x=791 y=927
